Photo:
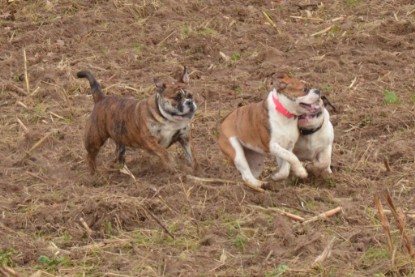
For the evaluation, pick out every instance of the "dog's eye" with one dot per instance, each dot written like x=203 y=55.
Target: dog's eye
x=178 y=97
x=306 y=90
x=189 y=96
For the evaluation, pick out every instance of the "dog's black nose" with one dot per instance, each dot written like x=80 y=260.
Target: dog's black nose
x=189 y=103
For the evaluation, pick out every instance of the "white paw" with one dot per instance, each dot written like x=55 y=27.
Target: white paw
x=255 y=184
x=279 y=176
x=301 y=172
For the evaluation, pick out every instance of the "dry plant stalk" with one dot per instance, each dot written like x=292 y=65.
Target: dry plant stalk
x=85 y=225
x=270 y=21
x=26 y=78
x=159 y=222
x=400 y=222
x=282 y=212
x=384 y=221
x=324 y=215
x=224 y=181
x=25 y=129
x=325 y=254
x=322 y=31
x=8 y=271
x=36 y=145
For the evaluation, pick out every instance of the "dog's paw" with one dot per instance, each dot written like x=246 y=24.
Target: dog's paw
x=279 y=176
x=256 y=185
x=301 y=173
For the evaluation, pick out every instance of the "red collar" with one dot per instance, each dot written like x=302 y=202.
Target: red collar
x=281 y=109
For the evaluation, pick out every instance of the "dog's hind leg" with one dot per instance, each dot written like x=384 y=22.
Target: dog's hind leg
x=120 y=154
x=93 y=141
x=235 y=150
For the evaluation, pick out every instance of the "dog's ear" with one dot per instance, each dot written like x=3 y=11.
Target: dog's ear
x=326 y=102
x=276 y=81
x=160 y=85
x=184 y=77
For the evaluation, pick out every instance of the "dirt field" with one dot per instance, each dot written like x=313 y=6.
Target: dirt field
x=57 y=220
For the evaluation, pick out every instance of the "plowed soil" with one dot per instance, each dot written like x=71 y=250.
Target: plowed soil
x=56 y=219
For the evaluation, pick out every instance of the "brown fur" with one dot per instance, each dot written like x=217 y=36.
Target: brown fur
x=243 y=122
x=127 y=122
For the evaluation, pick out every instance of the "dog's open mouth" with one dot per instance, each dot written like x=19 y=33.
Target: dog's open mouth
x=311 y=108
x=309 y=116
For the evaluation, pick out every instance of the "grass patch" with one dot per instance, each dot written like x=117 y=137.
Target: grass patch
x=279 y=271
x=390 y=97
x=375 y=255
x=235 y=56
x=6 y=257
x=52 y=264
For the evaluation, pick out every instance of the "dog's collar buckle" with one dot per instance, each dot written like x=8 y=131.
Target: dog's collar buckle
x=281 y=109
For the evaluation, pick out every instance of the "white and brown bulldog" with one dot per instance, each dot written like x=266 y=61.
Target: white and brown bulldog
x=316 y=139
x=250 y=133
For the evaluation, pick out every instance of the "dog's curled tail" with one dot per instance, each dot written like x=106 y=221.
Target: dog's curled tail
x=95 y=86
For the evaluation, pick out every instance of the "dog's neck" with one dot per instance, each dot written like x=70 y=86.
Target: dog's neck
x=278 y=100
x=309 y=131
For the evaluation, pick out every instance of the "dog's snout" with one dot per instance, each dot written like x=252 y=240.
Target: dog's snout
x=317 y=91
x=189 y=103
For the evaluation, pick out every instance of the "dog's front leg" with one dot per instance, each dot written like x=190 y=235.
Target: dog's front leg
x=321 y=165
x=287 y=158
x=153 y=147
x=283 y=170
x=188 y=151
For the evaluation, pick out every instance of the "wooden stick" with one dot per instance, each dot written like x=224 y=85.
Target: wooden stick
x=324 y=215
x=85 y=225
x=384 y=221
x=400 y=222
x=282 y=212
x=26 y=78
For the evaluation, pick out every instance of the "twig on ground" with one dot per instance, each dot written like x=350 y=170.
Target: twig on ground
x=210 y=180
x=125 y=170
x=7 y=271
x=322 y=31
x=85 y=225
x=307 y=18
x=159 y=222
x=325 y=254
x=36 y=145
x=324 y=215
x=384 y=221
x=268 y=18
x=386 y=163
x=25 y=129
x=26 y=78
x=224 y=181
x=282 y=212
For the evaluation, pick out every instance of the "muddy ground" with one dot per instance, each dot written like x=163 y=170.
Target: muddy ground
x=55 y=219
